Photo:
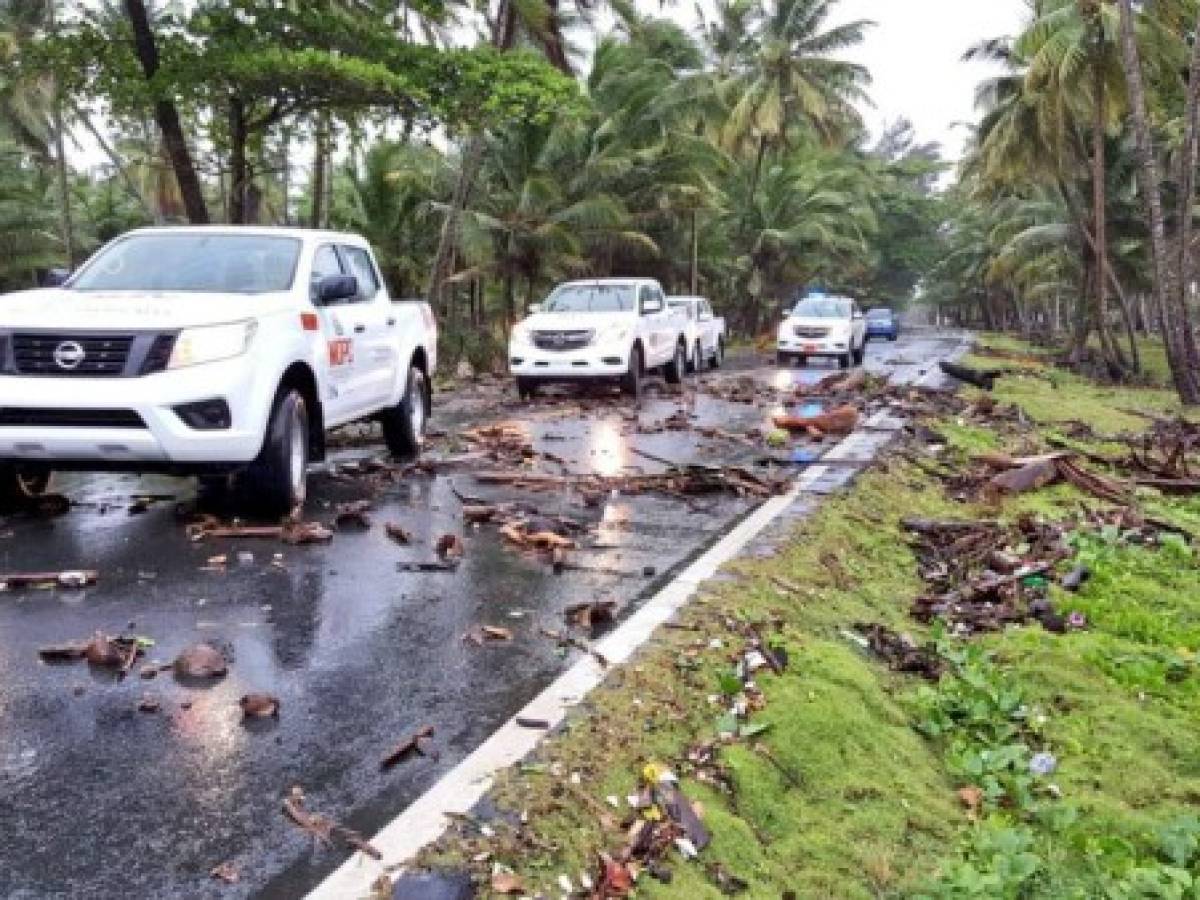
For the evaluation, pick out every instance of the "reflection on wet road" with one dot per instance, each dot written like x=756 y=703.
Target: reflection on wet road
x=102 y=800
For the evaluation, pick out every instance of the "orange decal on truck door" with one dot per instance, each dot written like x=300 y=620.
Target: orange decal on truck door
x=341 y=352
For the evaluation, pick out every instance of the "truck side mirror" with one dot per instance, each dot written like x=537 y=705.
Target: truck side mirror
x=333 y=288
x=56 y=277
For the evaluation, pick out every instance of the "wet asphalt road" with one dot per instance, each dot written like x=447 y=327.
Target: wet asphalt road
x=100 y=800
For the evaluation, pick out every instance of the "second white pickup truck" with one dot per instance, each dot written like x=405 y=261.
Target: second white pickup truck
x=211 y=351
x=606 y=328
x=703 y=331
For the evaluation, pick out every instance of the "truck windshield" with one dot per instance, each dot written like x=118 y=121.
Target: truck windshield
x=201 y=263
x=882 y=315
x=822 y=308
x=599 y=298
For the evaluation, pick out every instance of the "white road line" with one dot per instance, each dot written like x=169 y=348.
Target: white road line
x=462 y=787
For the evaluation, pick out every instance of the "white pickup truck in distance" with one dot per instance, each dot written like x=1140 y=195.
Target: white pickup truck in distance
x=606 y=328
x=210 y=351
x=823 y=326
x=703 y=331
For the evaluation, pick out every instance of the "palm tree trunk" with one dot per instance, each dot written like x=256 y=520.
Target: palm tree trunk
x=1182 y=371
x=320 y=150
x=1112 y=352
x=758 y=166
x=238 y=181
x=166 y=115
x=503 y=36
x=114 y=158
x=695 y=280
x=60 y=153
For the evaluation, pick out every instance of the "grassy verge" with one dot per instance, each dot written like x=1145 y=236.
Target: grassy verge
x=868 y=783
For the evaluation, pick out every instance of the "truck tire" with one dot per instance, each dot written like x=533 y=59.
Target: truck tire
x=18 y=489
x=677 y=367
x=631 y=381
x=844 y=360
x=526 y=387
x=277 y=482
x=698 y=359
x=718 y=356
x=860 y=354
x=404 y=424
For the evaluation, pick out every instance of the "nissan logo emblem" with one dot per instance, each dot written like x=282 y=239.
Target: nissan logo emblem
x=558 y=338
x=69 y=355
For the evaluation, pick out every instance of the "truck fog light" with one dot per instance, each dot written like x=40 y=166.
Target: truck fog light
x=205 y=415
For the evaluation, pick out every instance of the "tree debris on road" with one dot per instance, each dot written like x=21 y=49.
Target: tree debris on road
x=322 y=829
x=201 y=661
x=411 y=744
x=71 y=578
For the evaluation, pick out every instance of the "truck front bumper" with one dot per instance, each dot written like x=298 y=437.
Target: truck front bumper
x=120 y=423
x=826 y=346
x=598 y=361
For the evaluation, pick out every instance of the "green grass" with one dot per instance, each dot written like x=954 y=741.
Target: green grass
x=868 y=807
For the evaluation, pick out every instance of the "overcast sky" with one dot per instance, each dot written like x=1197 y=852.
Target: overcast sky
x=914 y=55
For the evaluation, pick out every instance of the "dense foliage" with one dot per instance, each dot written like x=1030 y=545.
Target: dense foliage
x=731 y=161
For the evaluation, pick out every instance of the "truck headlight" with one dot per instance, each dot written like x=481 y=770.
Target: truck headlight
x=520 y=334
x=212 y=343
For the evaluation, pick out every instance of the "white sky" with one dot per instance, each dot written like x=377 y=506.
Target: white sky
x=914 y=54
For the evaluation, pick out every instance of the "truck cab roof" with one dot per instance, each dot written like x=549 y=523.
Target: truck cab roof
x=308 y=235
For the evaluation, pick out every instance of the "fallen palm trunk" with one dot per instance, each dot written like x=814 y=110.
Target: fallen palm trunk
x=841 y=420
x=978 y=377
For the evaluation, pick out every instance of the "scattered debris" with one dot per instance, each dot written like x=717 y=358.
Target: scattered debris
x=259 y=706
x=149 y=704
x=396 y=533
x=201 y=661
x=567 y=640
x=322 y=829
x=411 y=744
x=977 y=377
x=526 y=722
x=902 y=653
x=840 y=420
x=72 y=578
x=590 y=615
x=481 y=634
x=450 y=546
x=225 y=872
x=352 y=515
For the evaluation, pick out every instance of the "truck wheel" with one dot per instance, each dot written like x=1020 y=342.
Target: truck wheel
x=698 y=359
x=526 y=388
x=844 y=360
x=675 y=369
x=893 y=337
x=404 y=423
x=18 y=489
x=718 y=356
x=631 y=383
x=277 y=482
x=860 y=354
x=802 y=361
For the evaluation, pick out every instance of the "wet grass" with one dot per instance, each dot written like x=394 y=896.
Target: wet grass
x=850 y=793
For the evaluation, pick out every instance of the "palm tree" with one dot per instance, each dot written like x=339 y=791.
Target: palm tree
x=788 y=79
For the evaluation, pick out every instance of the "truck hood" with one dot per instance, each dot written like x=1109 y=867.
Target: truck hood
x=544 y=321
x=66 y=310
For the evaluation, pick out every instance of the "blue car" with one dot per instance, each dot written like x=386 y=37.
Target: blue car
x=882 y=323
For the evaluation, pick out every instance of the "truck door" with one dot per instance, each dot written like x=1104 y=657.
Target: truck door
x=337 y=334
x=376 y=338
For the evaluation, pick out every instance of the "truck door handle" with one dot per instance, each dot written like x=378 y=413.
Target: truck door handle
x=359 y=329
x=391 y=323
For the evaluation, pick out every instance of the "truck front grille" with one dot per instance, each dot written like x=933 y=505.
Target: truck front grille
x=808 y=331
x=85 y=354
x=42 y=417
x=562 y=340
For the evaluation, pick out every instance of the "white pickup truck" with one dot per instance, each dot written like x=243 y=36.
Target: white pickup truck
x=605 y=328
x=704 y=332
x=210 y=351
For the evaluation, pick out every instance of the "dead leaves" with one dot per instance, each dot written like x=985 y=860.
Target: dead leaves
x=840 y=420
x=482 y=634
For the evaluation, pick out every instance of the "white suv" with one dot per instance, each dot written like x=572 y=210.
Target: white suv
x=823 y=326
x=209 y=351
x=606 y=328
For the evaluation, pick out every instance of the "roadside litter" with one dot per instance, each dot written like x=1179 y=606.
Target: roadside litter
x=322 y=829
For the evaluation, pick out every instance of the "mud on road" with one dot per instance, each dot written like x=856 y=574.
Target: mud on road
x=141 y=786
